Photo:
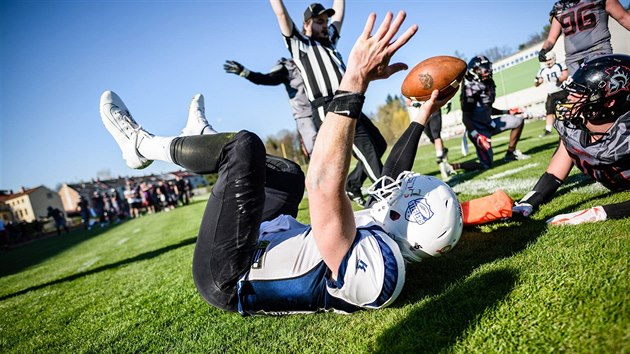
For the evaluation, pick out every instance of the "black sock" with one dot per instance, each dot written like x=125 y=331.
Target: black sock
x=617 y=211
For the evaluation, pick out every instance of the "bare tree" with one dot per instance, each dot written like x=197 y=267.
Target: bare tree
x=496 y=53
x=460 y=55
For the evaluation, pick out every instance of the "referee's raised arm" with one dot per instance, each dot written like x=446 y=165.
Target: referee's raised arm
x=284 y=20
x=337 y=19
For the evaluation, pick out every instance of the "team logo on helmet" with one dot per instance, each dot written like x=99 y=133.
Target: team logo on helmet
x=418 y=211
x=619 y=80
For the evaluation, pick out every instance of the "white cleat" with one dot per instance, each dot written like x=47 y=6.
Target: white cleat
x=124 y=129
x=446 y=170
x=197 y=123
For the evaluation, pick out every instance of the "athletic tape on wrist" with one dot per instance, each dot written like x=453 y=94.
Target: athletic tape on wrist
x=347 y=104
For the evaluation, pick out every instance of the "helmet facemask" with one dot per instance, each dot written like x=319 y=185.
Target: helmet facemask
x=479 y=69
x=577 y=111
x=421 y=213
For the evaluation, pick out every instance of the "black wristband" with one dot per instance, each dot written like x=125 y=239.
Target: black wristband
x=546 y=187
x=347 y=104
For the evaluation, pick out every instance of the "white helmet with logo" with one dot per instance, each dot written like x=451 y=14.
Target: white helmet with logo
x=421 y=213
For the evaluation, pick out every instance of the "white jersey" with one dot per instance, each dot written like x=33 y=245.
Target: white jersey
x=288 y=274
x=550 y=77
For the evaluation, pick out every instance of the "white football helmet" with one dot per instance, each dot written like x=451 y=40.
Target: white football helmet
x=551 y=59
x=421 y=213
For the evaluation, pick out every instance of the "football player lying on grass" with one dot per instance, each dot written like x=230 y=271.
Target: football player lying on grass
x=594 y=129
x=251 y=255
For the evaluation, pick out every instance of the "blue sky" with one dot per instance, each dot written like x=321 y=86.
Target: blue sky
x=57 y=57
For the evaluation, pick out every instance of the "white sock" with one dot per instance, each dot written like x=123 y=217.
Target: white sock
x=208 y=130
x=548 y=127
x=156 y=148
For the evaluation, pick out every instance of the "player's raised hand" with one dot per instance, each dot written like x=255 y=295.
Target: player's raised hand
x=420 y=112
x=370 y=56
x=233 y=67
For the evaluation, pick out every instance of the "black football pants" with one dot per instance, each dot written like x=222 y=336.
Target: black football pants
x=251 y=187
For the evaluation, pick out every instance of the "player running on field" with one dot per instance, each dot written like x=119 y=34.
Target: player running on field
x=551 y=76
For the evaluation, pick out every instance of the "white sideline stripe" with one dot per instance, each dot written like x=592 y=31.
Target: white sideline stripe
x=121 y=241
x=501 y=138
x=88 y=264
x=509 y=185
x=135 y=231
x=513 y=171
x=518 y=185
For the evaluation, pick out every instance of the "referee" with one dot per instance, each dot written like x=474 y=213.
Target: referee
x=314 y=51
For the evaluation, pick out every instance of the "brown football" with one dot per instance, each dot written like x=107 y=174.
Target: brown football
x=443 y=73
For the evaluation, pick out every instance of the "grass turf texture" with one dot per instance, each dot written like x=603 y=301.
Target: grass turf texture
x=512 y=286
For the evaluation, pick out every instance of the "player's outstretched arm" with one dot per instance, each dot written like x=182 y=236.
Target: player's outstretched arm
x=616 y=11
x=557 y=171
x=284 y=20
x=332 y=218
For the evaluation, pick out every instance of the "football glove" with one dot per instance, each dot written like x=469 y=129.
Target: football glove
x=481 y=140
x=524 y=209
x=233 y=67
x=587 y=215
x=542 y=55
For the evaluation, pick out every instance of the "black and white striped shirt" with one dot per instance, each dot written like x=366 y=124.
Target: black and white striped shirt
x=321 y=66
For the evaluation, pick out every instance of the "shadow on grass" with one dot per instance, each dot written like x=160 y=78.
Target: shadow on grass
x=437 y=325
x=456 y=306
x=37 y=251
x=140 y=257
x=477 y=246
x=29 y=254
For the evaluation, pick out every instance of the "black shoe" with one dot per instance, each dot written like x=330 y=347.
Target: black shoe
x=357 y=197
x=546 y=133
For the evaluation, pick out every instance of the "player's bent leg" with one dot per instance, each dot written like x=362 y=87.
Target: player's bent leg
x=229 y=228
x=284 y=188
x=516 y=125
x=200 y=153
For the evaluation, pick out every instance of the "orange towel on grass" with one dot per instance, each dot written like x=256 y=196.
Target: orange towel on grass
x=486 y=209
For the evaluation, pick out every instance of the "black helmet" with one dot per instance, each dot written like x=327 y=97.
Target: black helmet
x=604 y=86
x=479 y=69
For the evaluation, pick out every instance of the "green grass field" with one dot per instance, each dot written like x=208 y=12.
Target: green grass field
x=512 y=286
